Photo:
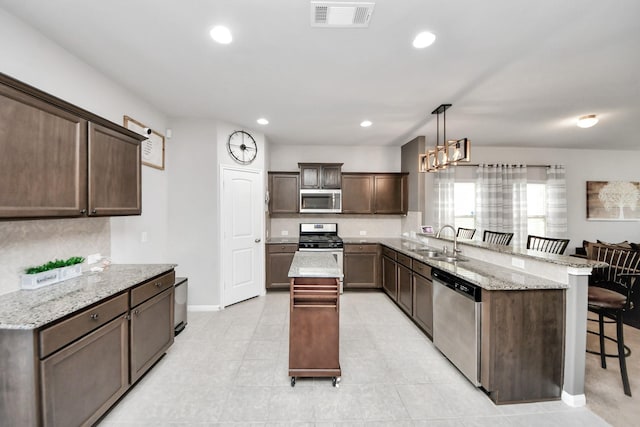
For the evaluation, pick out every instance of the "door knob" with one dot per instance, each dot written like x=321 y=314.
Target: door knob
x=257 y=240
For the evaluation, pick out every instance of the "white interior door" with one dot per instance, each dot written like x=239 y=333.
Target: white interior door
x=242 y=248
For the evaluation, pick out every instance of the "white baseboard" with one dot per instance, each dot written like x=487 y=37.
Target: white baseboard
x=203 y=308
x=574 y=400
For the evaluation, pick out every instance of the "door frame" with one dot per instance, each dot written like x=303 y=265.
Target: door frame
x=261 y=250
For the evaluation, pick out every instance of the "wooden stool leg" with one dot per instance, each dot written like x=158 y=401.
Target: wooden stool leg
x=603 y=358
x=623 y=362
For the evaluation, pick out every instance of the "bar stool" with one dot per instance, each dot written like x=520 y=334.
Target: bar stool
x=610 y=291
x=547 y=244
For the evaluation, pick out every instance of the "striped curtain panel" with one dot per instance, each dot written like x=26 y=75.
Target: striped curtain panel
x=443 y=185
x=556 y=209
x=501 y=201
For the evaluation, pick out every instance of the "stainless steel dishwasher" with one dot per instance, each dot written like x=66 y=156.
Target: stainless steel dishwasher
x=457 y=310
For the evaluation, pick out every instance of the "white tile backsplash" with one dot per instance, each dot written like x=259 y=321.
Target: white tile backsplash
x=33 y=242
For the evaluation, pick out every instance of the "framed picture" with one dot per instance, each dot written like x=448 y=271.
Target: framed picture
x=426 y=229
x=613 y=200
x=152 y=148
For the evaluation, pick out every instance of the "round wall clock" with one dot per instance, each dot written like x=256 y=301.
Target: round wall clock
x=242 y=147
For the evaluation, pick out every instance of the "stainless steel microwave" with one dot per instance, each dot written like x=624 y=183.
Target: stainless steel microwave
x=320 y=201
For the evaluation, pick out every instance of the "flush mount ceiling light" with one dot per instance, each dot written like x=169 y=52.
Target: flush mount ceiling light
x=424 y=39
x=221 y=34
x=365 y=123
x=262 y=121
x=587 y=121
x=450 y=152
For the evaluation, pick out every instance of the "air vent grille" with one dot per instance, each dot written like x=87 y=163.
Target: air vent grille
x=335 y=14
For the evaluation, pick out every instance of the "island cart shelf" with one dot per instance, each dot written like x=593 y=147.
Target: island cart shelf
x=314 y=335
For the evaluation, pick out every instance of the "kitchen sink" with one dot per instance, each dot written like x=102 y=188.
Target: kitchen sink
x=429 y=253
x=447 y=258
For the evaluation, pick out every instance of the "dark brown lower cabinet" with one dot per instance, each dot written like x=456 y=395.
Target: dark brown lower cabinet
x=151 y=332
x=522 y=344
x=405 y=283
x=423 y=303
x=80 y=382
x=279 y=258
x=390 y=276
x=361 y=266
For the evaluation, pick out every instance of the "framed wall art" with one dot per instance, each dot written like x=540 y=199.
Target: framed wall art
x=613 y=200
x=152 y=148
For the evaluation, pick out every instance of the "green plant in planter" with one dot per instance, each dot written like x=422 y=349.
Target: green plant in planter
x=57 y=263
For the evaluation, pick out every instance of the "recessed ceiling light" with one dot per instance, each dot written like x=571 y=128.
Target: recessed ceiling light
x=262 y=121
x=366 y=124
x=424 y=39
x=221 y=34
x=587 y=121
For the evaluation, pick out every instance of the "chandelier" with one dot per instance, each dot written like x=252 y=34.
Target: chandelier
x=450 y=152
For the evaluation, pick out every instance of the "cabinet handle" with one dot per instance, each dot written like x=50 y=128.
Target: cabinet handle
x=93 y=211
x=94 y=316
x=83 y=211
x=136 y=312
x=158 y=284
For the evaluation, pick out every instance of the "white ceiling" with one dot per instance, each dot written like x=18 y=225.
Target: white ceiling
x=517 y=73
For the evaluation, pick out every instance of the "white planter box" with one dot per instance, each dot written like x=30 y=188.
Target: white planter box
x=35 y=281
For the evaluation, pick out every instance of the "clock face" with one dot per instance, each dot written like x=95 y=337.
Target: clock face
x=242 y=147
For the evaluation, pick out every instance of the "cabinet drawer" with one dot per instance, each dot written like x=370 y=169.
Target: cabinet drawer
x=404 y=260
x=422 y=269
x=152 y=288
x=389 y=253
x=361 y=248
x=273 y=248
x=57 y=336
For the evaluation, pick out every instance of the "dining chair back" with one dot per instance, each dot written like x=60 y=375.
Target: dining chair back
x=497 y=237
x=466 y=233
x=547 y=244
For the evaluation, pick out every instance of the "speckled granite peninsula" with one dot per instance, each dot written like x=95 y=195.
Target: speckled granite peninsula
x=31 y=309
x=314 y=264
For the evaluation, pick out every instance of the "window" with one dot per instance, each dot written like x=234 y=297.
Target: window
x=464 y=200
x=536 y=209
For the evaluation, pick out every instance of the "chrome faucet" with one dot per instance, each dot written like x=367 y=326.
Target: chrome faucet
x=455 y=237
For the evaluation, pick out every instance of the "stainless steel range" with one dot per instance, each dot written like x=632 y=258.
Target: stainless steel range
x=322 y=238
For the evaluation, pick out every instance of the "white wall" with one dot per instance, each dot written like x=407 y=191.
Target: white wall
x=198 y=151
x=34 y=59
x=581 y=166
x=356 y=158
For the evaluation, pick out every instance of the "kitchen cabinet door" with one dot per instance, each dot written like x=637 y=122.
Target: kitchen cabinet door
x=115 y=186
x=405 y=289
x=357 y=193
x=279 y=258
x=423 y=303
x=151 y=332
x=43 y=158
x=390 y=277
x=361 y=266
x=391 y=194
x=320 y=175
x=284 y=196
x=81 y=382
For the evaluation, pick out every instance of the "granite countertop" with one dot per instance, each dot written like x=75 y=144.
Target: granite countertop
x=314 y=264
x=31 y=309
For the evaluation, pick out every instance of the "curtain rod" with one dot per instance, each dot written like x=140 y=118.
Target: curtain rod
x=506 y=164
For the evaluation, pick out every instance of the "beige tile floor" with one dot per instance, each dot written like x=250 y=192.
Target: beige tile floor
x=230 y=368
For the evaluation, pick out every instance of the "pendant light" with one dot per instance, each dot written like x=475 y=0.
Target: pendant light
x=450 y=152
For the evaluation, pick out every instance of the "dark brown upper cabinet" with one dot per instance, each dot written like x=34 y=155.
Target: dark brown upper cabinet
x=114 y=173
x=320 y=175
x=58 y=160
x=374 y=193
x=284 y=194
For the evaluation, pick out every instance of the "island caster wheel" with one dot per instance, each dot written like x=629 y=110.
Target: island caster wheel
x=293 y=381
x=334 y=381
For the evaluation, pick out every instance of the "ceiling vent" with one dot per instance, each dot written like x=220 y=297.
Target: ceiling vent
x=335 y=14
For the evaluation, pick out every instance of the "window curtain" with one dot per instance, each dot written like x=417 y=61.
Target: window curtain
x=501 y=201
x=556 y=209
x=443 y=185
